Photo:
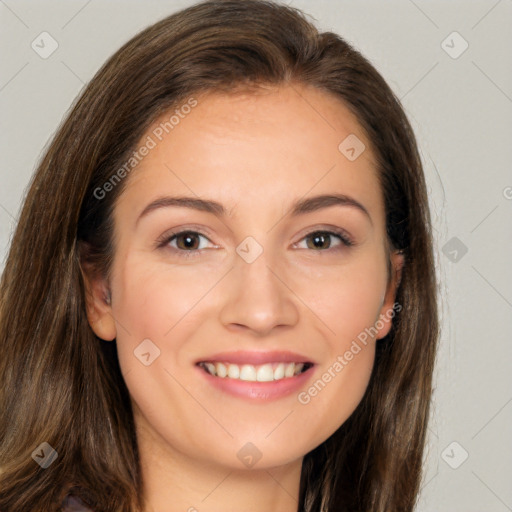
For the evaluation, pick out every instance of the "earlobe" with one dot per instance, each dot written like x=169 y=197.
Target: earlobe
x=98 y=306
x=389 y=307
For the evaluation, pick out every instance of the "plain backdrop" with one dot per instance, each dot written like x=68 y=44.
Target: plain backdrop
x=450 y=64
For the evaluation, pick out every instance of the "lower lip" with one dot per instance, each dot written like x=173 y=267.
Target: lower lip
x=259 y=391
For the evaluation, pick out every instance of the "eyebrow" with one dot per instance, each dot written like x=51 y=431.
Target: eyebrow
x=299 y=207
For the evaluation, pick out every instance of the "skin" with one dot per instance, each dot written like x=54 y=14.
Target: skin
x=256 y=153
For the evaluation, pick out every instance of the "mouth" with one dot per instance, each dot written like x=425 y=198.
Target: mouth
x=268 y=372
x=259 y=376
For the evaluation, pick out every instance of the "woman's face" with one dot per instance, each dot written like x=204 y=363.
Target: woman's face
x=282 y=259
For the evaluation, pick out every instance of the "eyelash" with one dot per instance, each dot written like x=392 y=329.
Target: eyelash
x=167 y=238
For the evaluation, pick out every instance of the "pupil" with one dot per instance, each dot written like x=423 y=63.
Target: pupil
x=189 y=241
x=319 y=240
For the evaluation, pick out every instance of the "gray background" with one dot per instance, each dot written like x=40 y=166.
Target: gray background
x=460 y=106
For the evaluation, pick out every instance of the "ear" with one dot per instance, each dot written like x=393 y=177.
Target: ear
x=98 y=304
x=389 y=307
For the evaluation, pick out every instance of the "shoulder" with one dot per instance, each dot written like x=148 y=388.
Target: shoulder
x=73 y=504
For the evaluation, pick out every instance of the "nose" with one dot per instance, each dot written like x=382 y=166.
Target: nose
x=259 y=298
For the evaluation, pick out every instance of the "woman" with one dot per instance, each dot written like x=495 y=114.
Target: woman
x=221 y=291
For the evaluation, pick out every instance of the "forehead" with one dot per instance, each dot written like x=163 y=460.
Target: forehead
x=255 y=150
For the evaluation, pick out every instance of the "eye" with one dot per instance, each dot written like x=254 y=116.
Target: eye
x=322 y=240
x=185 y=242
x=188 y=243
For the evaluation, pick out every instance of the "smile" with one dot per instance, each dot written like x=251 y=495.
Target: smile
x=267 y=372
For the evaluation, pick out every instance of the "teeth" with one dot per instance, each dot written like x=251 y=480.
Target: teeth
x=279 y=371
x=219 y=369
x=289 y=370
x=234 y=371
x=210 y=367
x=248 y=372
x=265 y=373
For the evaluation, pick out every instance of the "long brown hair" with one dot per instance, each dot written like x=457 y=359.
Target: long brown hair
x=60 y=384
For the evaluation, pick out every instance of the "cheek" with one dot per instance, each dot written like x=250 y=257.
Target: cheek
x=157 y=303
x=346 y=302
x=162 y=304
x=334 y=394
x=346 y=298
x=153 y=298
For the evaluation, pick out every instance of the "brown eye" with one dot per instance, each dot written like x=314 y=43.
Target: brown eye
x=320 y=240
x=186 y=243
x=187 y=240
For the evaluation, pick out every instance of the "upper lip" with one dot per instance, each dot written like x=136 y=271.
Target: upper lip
x=256 y=357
